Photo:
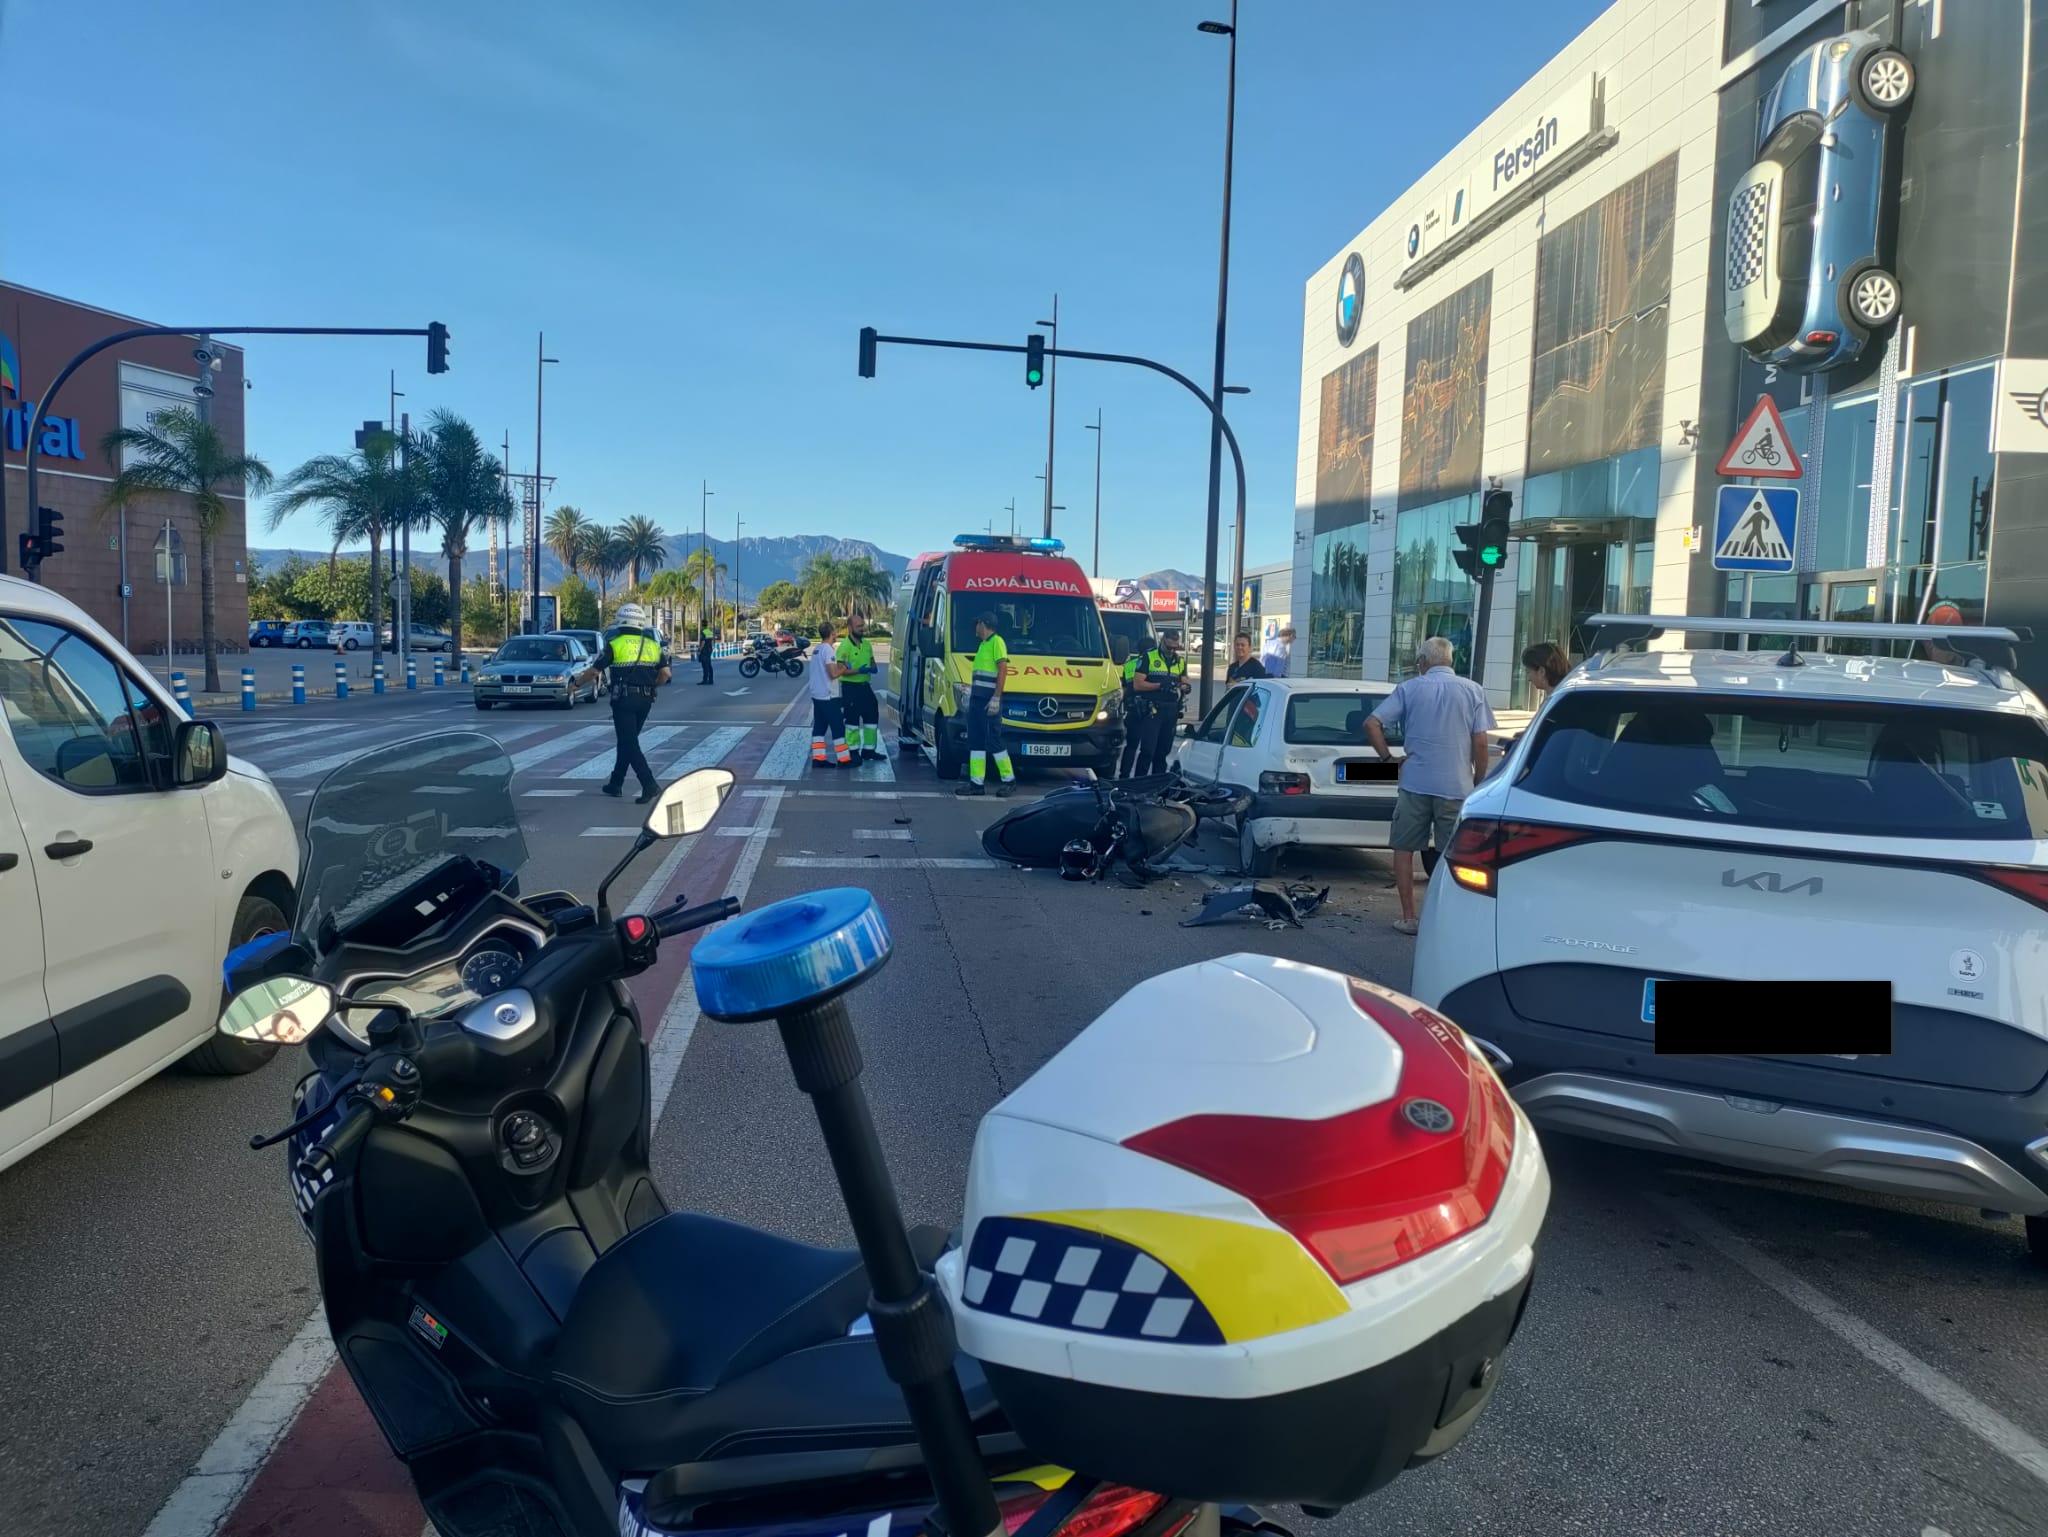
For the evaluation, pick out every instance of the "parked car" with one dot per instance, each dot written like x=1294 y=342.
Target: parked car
x=267 y=632
x=1721 y=817
x=1299 y=745
x=1810 y=278
x=350 y=634
x=593 y=642
x=114 y=811
x=538 y=669
x=424 y=638
x=306 y=633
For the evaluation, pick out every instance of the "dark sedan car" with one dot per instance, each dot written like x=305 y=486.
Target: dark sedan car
x=538 y=669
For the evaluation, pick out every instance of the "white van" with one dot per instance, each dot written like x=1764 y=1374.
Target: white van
x=133 y=856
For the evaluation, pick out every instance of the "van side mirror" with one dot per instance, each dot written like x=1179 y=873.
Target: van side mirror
x=199 y=753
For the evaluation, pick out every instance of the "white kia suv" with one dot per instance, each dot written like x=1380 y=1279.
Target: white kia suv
x=1763 y=818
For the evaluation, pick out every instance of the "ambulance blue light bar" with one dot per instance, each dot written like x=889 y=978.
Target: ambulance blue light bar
x=1008 y=542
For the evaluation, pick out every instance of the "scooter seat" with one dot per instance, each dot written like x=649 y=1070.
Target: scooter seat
x=696 y=1338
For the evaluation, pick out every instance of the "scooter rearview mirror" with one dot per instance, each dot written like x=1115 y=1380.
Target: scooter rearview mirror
x=284 y=1010
x=688 y=805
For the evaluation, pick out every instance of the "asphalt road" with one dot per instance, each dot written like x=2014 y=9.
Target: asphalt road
x=1706 y=1352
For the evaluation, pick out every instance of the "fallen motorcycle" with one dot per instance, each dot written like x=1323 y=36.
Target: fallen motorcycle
x=1145 y=1295
x=1085 y=829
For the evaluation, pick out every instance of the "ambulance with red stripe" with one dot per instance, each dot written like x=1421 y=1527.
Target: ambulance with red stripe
x=1063 y=703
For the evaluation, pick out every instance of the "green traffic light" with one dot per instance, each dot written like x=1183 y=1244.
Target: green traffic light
x=1492 y=555
x=1033 y=376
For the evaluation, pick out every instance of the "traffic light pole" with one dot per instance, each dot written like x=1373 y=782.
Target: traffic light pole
x=870 y=338
x=135 y=333
x=1479 y=624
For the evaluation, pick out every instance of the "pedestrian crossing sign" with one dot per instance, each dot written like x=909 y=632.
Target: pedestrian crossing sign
x=1756 y=528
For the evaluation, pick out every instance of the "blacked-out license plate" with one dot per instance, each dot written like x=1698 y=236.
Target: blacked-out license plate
x=1726 y=1017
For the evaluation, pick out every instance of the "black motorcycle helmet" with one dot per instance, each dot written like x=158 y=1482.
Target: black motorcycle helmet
x=1080 y=861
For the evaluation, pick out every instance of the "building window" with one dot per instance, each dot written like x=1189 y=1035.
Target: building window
x=1443 y=397
x=170 y=557
x=1431 y=595
x=1603 y=298
x=1336 y=617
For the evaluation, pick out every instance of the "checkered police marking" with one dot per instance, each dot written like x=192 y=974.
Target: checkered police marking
x=1066 y=1278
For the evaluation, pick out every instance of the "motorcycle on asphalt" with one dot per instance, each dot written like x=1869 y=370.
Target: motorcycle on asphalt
x=552 y=1349
x=765 y=657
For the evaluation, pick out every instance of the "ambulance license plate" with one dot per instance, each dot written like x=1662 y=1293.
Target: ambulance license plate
x=1048 y=749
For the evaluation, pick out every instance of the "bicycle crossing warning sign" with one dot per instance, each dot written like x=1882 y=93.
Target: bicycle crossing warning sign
x=1756 y=528
x=1761 y=450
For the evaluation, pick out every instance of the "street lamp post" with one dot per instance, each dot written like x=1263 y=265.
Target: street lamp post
x=1229 y=30
x=532 y=541
x=1052 y=408
x=1012 y=510
x=1095 y=561
x=739 y=588
x=704 y=549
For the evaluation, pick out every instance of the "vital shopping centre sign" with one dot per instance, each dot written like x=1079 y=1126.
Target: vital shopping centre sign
x=60 y=436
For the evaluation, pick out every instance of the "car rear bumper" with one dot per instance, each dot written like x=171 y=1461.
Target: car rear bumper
x=1321 y=821
x=1932 y=1142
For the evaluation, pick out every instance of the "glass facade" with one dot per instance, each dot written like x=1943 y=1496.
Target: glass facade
x=1431 y=595
x=1336 y=616
x=1337 y=584
x=1443 y=396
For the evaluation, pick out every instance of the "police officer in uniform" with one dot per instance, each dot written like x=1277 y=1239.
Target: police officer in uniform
x=1137 y=712
x=857 y=692
x=704 y=648
x=635 y=665
x=1164 y=678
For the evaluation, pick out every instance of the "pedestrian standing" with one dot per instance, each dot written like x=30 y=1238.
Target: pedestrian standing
x=1244 y=666
x=828 y=716
x=1280 y=653
x=985 y=711
x=635 y=666
x=857 y=692
x=704 y=648
x=1545 y=664
x=1444 y=720
x=1164 y=677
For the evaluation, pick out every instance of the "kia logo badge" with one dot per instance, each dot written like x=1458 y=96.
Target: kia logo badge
x=1427 y=1115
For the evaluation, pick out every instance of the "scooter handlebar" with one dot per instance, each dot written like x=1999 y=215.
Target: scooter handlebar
x=355 y=1122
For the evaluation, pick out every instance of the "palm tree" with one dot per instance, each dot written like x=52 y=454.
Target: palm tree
x=567 y=529
x=824 y=585
x=604 y=557
x=644 y=544
x=461 y=488
x=705 y=567
x=360 y=496
x=864 y=586
x=179 y=453
x=670 y=591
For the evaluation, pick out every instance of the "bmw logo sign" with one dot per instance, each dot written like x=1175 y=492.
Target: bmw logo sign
x=1427 y=1115
x=1350 y=298
x=1414 y=240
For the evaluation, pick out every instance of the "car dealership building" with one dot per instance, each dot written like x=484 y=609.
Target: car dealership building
x=136 y=573
x=1550 y=309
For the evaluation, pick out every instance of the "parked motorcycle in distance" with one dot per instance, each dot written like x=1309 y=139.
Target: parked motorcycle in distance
x=764 y=656
x=552 y=1350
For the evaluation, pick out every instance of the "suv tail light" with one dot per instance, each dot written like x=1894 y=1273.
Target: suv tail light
x=1484 y=846
x=1272 y=782
x=1377 y=1187
x=2026 y=882
x=1110 y=1510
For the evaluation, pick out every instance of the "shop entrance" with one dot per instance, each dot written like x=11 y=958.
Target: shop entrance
x=1571 y=586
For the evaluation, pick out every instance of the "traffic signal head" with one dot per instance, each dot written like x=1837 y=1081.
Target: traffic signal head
x=867 y=352
x=49 y=532
x=1493 y=529
x=437 y=348
x=1034 y=360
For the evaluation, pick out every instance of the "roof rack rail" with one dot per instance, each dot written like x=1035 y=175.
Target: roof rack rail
x=1994 y=646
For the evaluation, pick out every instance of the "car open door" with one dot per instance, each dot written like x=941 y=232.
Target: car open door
x=1200 y=755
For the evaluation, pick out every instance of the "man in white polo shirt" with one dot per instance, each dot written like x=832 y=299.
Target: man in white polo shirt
x=828 y=716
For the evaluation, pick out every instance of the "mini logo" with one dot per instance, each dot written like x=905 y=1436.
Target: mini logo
x=1048 y=708
x=1427 y=1115
x=1350 y=298
x=2034 y=403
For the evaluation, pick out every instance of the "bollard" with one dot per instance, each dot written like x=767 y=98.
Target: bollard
x=465 y=669
x=412 y=674
x=341 y=680
x=248 y=688
x=440 y=671
x=181 y=693
x=377 y=677
x=298 y=683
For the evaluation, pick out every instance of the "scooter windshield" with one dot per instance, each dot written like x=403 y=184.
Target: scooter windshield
x=382 y=822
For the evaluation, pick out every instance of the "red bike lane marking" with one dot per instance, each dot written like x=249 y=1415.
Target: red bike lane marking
x=332 y=1472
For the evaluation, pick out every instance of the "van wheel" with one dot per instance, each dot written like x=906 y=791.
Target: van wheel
x=951 y=755
x=223 y=1056
x=1872 y=298
x=1251 y=859
x=2037 y=1240
x=1885 y=80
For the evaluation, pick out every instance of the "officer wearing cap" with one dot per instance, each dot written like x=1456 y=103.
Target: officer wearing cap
x=635 y=665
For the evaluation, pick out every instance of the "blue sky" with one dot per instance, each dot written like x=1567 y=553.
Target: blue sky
x=701 y=204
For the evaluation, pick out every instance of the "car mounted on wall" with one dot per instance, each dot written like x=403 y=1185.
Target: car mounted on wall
x=1809 y=281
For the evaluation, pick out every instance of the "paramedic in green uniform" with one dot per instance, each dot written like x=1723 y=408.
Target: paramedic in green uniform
x=985 y=711
x=857 y=692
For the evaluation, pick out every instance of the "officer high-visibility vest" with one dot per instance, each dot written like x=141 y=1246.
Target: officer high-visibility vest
x=989 y=657
x=635 y=648
x=1157 y=664
x=858 y=658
